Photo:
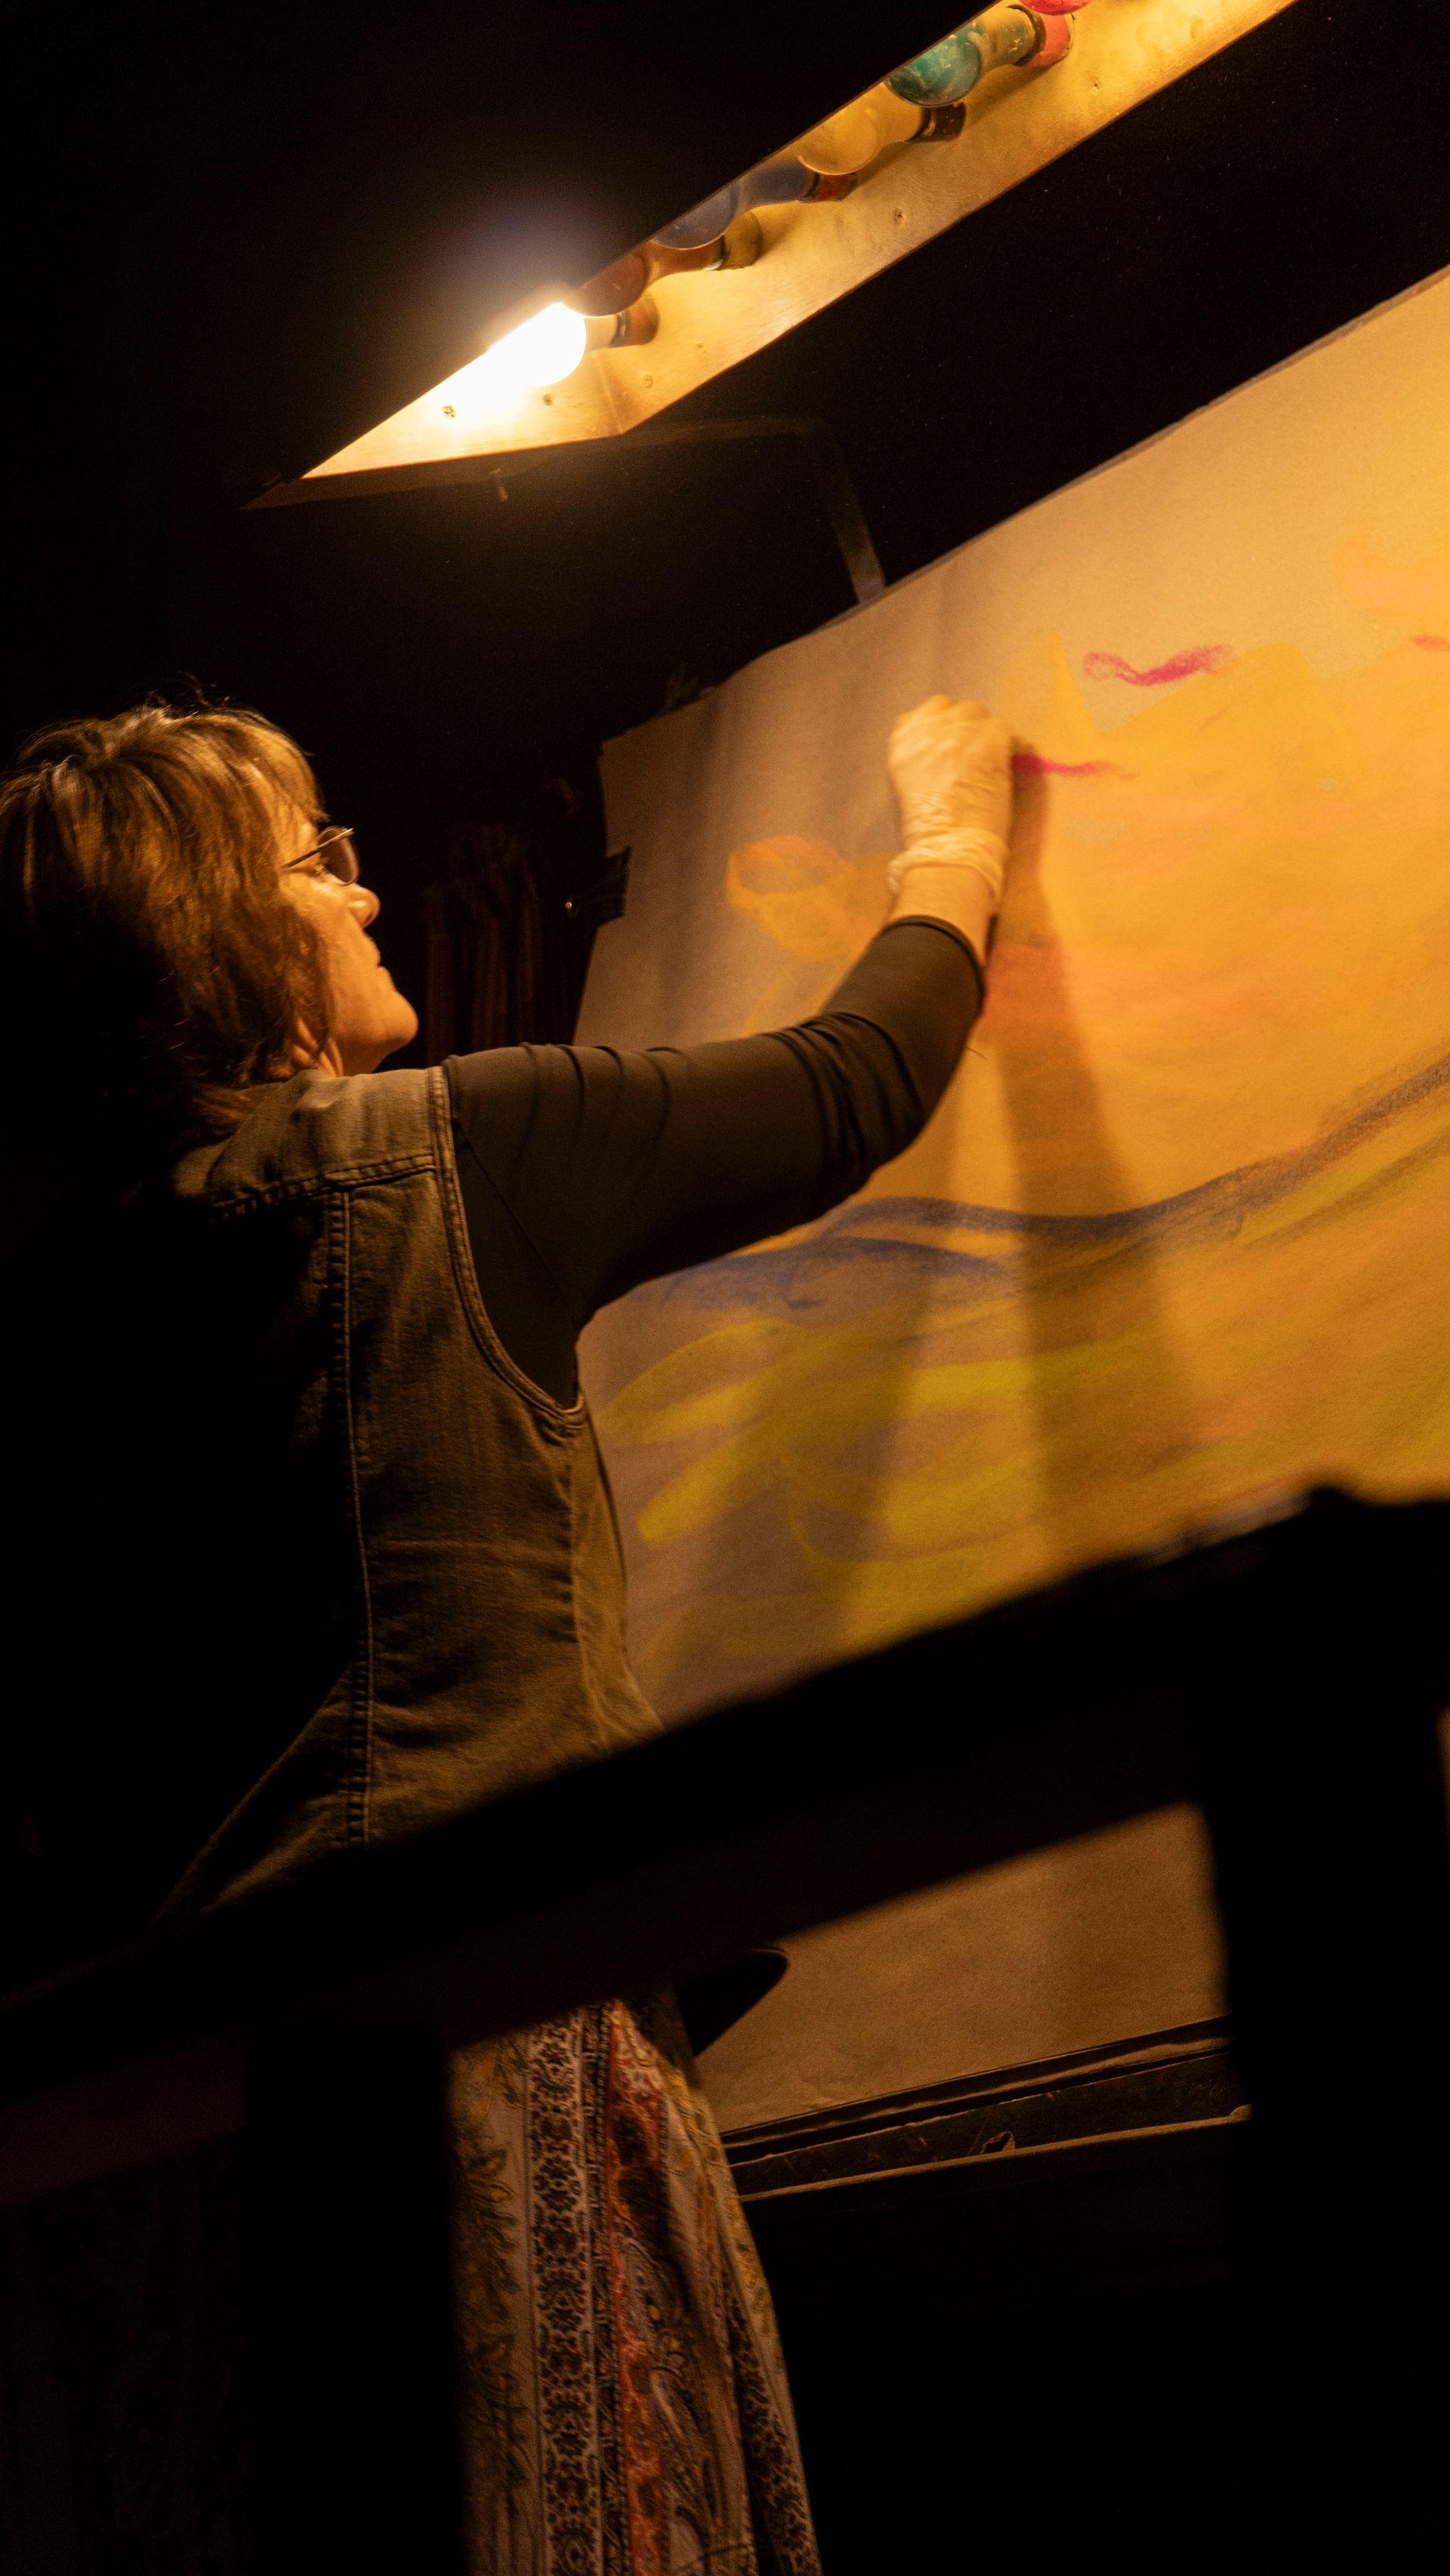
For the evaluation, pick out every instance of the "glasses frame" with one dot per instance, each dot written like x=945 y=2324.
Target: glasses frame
x=337 y=849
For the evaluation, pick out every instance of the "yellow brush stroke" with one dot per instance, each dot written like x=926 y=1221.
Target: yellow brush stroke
x=820 y=907
x=820 y=1414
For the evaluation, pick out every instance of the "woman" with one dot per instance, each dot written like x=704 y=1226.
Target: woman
x=309 y=1539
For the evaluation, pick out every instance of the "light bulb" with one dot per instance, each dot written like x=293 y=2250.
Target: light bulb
x=540 y=352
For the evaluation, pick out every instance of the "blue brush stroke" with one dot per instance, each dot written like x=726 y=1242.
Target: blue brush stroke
x=1212 y=1212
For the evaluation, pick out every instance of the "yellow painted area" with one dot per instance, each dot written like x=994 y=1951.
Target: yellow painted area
x=820 y=907
x=1223 y=968
x=1415 y=595
x=1197 y=938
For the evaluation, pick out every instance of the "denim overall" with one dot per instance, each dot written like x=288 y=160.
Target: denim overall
x=297 y=1557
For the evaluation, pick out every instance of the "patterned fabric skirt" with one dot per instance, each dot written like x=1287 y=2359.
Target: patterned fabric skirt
x=625 y=2411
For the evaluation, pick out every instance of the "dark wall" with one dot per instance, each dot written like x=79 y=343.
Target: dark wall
x=240 y=236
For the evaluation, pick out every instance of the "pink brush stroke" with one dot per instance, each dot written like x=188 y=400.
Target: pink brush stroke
x=1183 y=666
x=1432 y=643
x=1035 y=764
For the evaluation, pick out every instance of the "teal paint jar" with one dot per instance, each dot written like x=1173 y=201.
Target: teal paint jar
x=943 y=74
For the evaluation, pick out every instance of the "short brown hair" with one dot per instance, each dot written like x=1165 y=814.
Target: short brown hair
x=151 y=966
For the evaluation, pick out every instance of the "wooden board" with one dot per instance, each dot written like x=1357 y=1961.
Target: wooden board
x=1123 y=51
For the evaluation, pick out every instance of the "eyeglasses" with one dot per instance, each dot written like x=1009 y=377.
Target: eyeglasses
x=333 y=854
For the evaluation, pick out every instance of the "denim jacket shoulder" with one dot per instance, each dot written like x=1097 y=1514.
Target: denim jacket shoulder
x=317 y=1132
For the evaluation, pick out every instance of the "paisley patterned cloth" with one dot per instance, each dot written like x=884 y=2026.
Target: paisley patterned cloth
x=625 y=2411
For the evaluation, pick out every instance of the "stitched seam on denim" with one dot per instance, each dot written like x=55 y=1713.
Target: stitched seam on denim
x=586 y=1642
x=358 y=1786
x=566 y=1418
x=247 y=1194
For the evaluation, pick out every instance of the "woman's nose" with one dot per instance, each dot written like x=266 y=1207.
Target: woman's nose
x=364 y=903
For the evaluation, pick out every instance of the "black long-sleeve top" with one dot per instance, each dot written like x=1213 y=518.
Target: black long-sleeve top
x=586 y=1170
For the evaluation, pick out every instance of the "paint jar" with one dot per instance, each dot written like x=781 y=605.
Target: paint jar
x=624 y=281
x=856 y=134
x=1004 y=35
x=632 y=328
x=782 y=181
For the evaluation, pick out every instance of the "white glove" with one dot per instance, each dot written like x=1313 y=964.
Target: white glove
x=951 y=767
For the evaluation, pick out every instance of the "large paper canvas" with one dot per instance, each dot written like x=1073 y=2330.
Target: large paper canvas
x=1181 y=1229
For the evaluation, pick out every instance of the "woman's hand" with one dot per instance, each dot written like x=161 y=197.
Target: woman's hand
x=951 y=766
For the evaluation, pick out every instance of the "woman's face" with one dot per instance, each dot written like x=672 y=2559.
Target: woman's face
x=370 y=1017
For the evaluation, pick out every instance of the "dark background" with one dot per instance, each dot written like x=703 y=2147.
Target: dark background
x=239 y=235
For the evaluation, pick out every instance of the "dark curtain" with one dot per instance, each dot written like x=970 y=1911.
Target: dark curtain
x=512 y=915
